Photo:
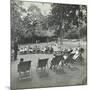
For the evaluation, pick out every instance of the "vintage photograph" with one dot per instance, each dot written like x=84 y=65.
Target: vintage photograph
x=48 y=44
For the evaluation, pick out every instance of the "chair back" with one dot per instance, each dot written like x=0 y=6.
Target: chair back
x=57 y=59
x=24 y=66
x=42 y=62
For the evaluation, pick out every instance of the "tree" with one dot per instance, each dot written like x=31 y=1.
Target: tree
x=64 y=15
x=17 y=28
x=32 y=22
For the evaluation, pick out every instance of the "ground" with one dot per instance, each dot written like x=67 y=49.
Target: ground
x=76 y=75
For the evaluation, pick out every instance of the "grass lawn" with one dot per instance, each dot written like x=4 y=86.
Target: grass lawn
x=74 y=76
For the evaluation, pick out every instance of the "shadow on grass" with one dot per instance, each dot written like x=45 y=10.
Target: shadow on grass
x=43 y=74
x=59 y=71
x=73 y=68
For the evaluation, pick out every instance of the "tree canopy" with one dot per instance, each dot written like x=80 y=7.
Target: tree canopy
x=64 y=20
x=67 y=17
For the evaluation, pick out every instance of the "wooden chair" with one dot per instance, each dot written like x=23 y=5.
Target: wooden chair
x=24 y=69
x=70 y=59
x=42 y=63
x=80 y=59
x=55 y=61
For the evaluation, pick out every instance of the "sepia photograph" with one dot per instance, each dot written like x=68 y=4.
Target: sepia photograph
x=48 y=44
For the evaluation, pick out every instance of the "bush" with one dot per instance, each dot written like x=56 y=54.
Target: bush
x=72 y=35
x=83 y=32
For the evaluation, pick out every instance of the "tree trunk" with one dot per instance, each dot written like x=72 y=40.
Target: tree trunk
x=61 y=35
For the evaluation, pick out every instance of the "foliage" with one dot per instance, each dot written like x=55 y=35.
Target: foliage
x=17 y=28
x=66 y=17
x=62 y=20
